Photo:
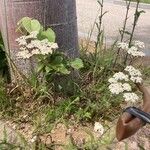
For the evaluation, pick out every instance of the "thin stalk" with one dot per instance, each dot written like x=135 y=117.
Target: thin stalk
x=123 y=31
x=99 y=36
x=99 y=25
x=91 y=32
x=136 y=17
x=125 y=21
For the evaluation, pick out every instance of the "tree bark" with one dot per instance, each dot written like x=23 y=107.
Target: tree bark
x=58 y=14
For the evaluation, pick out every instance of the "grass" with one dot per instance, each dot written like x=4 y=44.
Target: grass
x=142 y=1
x=72 y=102
x=43 y=108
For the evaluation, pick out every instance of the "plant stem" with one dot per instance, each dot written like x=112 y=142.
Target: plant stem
x=123 y=31
x=99 y=25
x=136 y=17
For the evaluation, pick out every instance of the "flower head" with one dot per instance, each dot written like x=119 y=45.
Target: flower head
x=112 y=80
x=120 y=76
x=139 y=44
x=122 y=45
x=126 y=87
x=116 y=88
x=135 y=52
x=98 y=128
x=135 y=74
x=30 y=45
x=132 y=71
x=130 y=97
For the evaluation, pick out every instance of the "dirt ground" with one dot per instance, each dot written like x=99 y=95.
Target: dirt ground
x=62 y=136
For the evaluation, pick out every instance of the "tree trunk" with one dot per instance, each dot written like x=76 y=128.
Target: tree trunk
x=58 y=14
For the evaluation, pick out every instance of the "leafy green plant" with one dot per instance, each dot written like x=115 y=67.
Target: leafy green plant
x=40 y=43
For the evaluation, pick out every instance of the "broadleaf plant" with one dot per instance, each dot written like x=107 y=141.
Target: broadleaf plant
x=40 y=43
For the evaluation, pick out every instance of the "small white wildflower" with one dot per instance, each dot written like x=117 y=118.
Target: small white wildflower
x=35 y=43
x=112 y=80
x=24 y=54
x=126 y=87
x=14 y=127
x=35 y=52
x=135 y=52
x=136 y=79
x=22 y=41
x=116 y=88
x=46 y=51
x=30 y=45
x=132 y=71
x=98 y=128
x=133 y=48
x=54 y=45
x=34 y=46
x=123 y=45
x=139 y=44
x=33 y=139
x=120 y=76
x=130 y=97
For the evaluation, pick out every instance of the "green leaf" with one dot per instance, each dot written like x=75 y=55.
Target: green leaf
x=87 y=115
x=58 y=60
x=25 y=23
x=49 y=34
x=35 y=25
x=29 y=24
x=40 y=67
x=61 y=68
x=77 y=64
x=48 y=69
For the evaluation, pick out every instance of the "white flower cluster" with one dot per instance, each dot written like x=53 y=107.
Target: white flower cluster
x=33 y=139
x=116 y=83
x=119 y=83
x=123 y=45
x=98 y=128
x=30 y=45
x=135 y=74
x=139 y=44
x=120 y=76
x=134 y=50
x=130 y=97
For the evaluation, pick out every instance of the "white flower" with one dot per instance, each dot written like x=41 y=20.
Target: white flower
x=130 y=97
x=135 y=74
x=120 y=76
x=126 y=87
x=24 y=54
x=22 y=41
x=54 y=45
x=34 y=46
x=123 y=45
x=116 y=88
x=35 y=52
x=136 y=79
x=98 y=128
x=135 y=52
x=33 y=139
x=132 y=71
x=139 y=44
x=112 y=80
